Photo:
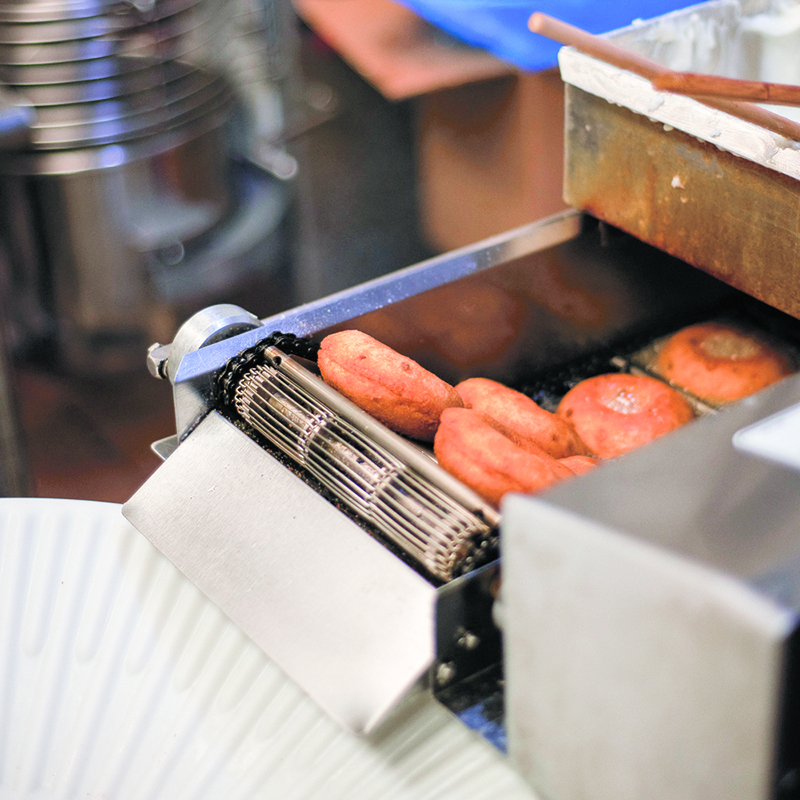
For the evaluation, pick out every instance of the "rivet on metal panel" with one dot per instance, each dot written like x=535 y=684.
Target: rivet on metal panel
x=157 y=357
x=445 y=673
x=468 y=640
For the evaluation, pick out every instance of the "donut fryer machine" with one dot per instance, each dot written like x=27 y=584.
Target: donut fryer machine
x=642 y=640
x=368 y=574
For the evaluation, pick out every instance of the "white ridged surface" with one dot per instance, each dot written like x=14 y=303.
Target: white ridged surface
x=119 y=679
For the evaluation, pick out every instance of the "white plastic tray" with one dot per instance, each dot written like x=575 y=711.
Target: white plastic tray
x=119 y=679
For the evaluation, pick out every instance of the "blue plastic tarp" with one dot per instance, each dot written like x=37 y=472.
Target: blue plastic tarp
x=502 y=27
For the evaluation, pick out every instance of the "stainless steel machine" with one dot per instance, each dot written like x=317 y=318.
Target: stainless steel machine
x=631 y=633
x=150 y=179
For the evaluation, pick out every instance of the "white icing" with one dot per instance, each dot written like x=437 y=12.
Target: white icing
x=782 y=20
x=747 y=39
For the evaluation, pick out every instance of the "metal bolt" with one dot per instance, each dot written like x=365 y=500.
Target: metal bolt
x=157 y=358
x=320 y=96
x=469 y=640
x=445 y=672
x=172 y=254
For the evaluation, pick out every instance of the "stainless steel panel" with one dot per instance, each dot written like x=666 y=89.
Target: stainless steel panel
x=347 y=619
x=632 y=672
x=721 y=213
x=703 y=185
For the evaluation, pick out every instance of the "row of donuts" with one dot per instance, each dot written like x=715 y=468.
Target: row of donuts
x=497 y=440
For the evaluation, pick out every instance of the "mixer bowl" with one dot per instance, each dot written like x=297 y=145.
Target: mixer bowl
x=126 y=180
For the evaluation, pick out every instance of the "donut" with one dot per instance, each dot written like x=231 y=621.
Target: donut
x=580 y=464
x=472 y=449
x=614 y=414
x=519 y=414
x=718 y=363
x=391 y=387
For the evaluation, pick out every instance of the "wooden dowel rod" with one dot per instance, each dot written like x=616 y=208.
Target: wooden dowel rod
x=691 y=83
x=594 y=46
x=604 y=50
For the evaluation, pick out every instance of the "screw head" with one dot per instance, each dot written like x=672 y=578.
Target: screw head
x=157 y=357
x=445 y=672
x=469 y=640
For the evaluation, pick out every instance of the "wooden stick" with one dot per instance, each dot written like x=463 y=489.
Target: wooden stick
x=593 y=45
x=604 y=50
x=697 y=85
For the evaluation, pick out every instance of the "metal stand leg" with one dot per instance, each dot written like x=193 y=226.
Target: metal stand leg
x=14 y=479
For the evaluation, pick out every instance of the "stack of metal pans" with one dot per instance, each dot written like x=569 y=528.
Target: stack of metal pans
x=102 y=72
x=130 y=195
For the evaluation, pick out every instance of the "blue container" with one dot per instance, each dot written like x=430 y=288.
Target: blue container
x=502 y=27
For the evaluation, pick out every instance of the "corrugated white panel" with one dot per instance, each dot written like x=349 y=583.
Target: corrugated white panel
x=119 y=679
